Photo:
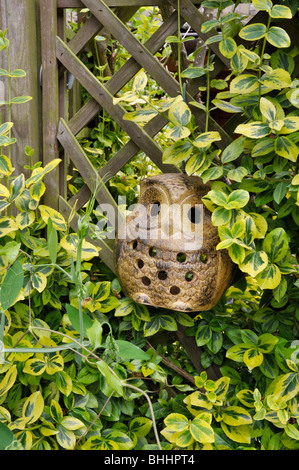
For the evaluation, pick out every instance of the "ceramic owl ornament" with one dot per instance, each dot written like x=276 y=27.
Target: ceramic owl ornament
x=165 y=252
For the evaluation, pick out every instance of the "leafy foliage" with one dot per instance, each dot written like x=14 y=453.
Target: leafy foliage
x=83 y=366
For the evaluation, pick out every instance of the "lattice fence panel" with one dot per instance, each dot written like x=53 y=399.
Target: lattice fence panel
x=60 y=55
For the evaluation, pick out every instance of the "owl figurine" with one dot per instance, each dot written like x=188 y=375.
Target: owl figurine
x=165 y=251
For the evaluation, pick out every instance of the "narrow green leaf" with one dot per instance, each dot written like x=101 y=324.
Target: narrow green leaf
x=73 y=315
x=112 y=380
x=21 y=99
x=129 y=351
x=52 y=241
x=12 y=285
x=18 y=73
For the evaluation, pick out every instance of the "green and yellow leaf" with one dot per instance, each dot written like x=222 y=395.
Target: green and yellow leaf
x=244 y=83
x=70 y=244
x=176 y=422
x=6 y=168
x=24 y=219
x=58 y=220
x=236 y=416
x=228 y=47
x=276 y=244
x=286 y=148
x=7 y=225
x=240 y=434
x=177 y=152
x=253 y=32
x=33 y=407
x=201 y=428
x=206 y=138
x=254 y=263
x=269 y=278
x=278 y=37
x=8 y=380
x=254 y=130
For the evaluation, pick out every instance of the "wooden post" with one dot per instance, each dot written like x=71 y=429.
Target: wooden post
x=22 y=21
x=50 y=98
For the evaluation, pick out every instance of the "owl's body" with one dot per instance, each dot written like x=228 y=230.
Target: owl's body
x=165 y=254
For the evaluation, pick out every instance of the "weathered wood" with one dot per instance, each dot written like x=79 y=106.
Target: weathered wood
x=105 y=99
x=126 y=73
x=92 y=27
x=122 y=157
x=63 y=106
x=24 y=53
x=116 y=3
x=140 y=53
x=106 y=252
x=50 y=97
x=131 y=67
x=84 y=166
x=88 y=31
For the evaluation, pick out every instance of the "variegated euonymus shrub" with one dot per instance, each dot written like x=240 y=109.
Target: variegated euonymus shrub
x=75 y=373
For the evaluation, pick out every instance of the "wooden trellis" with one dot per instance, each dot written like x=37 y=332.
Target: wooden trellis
x=59 y=133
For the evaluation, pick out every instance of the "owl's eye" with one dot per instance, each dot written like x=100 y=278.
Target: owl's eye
x=194 y=215
x=155 y=209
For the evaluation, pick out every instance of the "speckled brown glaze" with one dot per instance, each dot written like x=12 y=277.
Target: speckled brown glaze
x=161 y=271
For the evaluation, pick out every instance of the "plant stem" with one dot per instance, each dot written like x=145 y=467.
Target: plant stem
x=2 y=325
x=179 y=46
x=208 y=93
x=262 y=56
x=81 y=330
x=150 y=408
x=96 y=418
x=9 y=98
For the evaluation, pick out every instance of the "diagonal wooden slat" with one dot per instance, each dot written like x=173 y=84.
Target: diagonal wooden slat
x=83 y=165
x=153 y=127
x=121 y=158
x=131 y=67
x=105 y=99
x=92 y=27
x=124 y=74
x=140 y=53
